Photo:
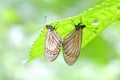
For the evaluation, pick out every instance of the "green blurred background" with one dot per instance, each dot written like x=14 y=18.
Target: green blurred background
x=20 y=24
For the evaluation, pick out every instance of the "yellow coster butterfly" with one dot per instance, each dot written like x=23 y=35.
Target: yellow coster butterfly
x=52 y=44
x=72 y=44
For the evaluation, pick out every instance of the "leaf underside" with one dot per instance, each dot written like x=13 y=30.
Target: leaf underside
x=98 y=17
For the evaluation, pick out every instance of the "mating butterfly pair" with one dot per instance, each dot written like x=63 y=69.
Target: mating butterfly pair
x=71 y=44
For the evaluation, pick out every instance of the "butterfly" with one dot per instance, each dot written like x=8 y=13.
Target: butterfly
x=52 y=44
x=72 y=44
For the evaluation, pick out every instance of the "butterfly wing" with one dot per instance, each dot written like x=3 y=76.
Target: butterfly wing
x=71 y=46
x=52 y=45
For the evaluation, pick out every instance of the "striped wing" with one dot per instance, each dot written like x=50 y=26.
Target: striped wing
x=52 y=45
x=71 y=46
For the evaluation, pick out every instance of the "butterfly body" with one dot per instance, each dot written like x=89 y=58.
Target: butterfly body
x=72 y=44
x=52 y=44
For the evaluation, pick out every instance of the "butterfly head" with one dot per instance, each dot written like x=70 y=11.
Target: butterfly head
x=79 y=26
x=50 y=28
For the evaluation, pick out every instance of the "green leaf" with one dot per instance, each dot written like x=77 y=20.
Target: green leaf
x=98 y=17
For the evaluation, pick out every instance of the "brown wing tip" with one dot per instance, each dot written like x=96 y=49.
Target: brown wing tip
x=70 y=63
x=70 y=60
x=51 y=57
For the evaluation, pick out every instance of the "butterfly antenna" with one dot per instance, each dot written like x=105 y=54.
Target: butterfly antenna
x=45 y=20
x=81 y=20
x=56 y=25
x=73 y=23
